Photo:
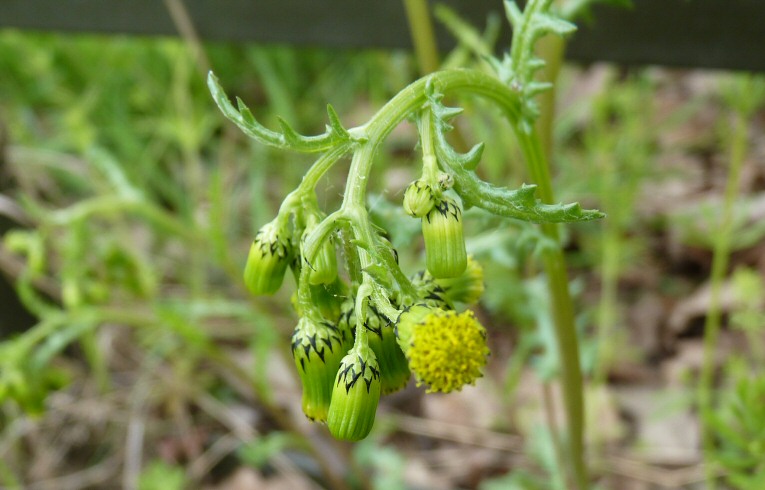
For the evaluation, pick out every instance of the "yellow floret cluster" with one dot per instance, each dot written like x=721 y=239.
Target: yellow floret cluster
x=447 y=350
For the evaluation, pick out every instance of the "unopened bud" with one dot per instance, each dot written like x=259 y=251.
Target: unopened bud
x=323 y=269
x=445 y=251
x=355 y=395
x=317 y=349
x=394 y=369
x=418 y=199
x=267 y=261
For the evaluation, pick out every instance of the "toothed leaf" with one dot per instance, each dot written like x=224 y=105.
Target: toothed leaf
x=287 y=139
x=335 y=124
x=550 y=23
x=535 y=88
x=448 y=113
x=513 y=13
x=519 y=203
x=536 y=63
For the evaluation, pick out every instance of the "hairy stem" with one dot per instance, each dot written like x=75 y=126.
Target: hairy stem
x=550 y=48
x=563 y=314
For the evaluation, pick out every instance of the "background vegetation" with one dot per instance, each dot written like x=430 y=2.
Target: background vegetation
x=129 y=205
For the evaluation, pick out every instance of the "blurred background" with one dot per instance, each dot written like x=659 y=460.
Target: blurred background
x=132 y=357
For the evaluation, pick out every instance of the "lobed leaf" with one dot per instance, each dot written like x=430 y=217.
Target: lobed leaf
x=288 y=138
x=511 y=203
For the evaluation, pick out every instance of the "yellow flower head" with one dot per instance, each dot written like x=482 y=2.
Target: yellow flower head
x=446 y=350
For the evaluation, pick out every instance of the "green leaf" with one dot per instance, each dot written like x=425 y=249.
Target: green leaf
x=547 y=23
x=518 y=203
x=335 y=126
x=513 y=13
x=288 y=138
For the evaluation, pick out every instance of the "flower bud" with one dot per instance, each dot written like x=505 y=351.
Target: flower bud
x=267 y=261
x=317 y=349
x=445 y=349
x=466 y=288
x=445 y=251
x=323 y=269
x=355 y=395
x=381 y=336
x=328 y=299
x=418 y=199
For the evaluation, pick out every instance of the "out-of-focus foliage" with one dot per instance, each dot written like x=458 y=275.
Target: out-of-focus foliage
x=138 y=207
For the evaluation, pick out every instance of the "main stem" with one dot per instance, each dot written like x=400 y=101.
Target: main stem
x=720 y=258
x=551 y=49
x=563 y=314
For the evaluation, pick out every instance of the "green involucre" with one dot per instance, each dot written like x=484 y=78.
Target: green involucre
x=317 y=349
x=381 y=337
x=467 y=287
x=267 y=261
x=445 y=251
x=419 y=199
x=355 y=395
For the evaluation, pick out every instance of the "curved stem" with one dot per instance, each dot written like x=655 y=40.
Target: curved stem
x=413 y=96
x=311 y=179
x=310 y=248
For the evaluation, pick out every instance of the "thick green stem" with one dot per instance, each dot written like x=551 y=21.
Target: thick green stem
x=721 y=254
x=362 y=297
x=550 y=48
x=563 y=313
x=293 y=202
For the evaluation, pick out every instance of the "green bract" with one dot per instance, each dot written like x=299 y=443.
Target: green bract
x=267 y=261
x=418 y=199
x=355 y=395
x=394 y=369
x=467 y=287
x=317 y=349
x=323 y=269
x=445 y=251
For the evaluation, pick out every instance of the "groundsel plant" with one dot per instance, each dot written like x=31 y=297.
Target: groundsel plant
x=365 y=333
